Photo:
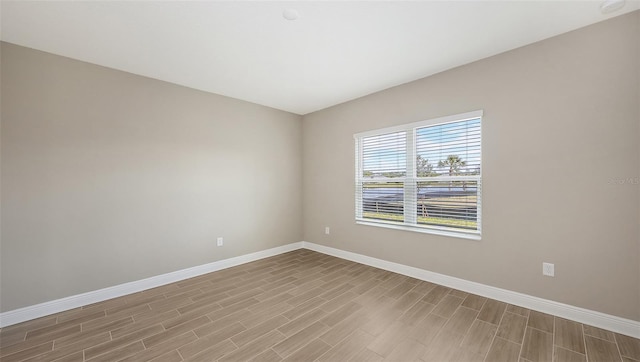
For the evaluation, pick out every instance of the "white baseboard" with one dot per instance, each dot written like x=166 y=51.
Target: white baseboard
x=79 y=300
x=616 y=324
x=601 y=320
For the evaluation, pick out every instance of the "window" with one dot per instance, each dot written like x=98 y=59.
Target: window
x=424 y=176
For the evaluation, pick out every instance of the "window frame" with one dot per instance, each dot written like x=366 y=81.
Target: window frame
x=410 y=180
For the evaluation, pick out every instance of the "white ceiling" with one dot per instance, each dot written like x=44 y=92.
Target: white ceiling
x=334 y=52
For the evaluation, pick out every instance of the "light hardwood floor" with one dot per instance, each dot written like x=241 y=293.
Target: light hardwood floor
x=306 y=306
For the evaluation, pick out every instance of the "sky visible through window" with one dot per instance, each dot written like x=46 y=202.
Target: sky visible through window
x=385 y=155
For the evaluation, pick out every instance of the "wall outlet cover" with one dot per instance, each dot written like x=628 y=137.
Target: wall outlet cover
x=548 y=269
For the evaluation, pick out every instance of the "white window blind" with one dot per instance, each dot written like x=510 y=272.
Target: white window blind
x=423 y=176
x=384 y=171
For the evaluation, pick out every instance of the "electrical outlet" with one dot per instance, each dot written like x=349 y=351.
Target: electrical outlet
x=548 y=269
x=327 y=230
x=220 y=241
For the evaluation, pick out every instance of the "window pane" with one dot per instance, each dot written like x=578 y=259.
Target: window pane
x=448 y=203
x=384 y=155
x=450 y=149
x=423 y=176
x=383 y=201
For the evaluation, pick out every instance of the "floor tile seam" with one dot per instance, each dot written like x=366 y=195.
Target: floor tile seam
x=449 y=319
x=584 y=342
x=296 y=350
x=179 y=354
x=247 y=328
x=524 y=335
x=314 y=321
x=376 y=353
x=175 y=349
x=515 y=314
x=617 y=346
x=122 y=337
x=273 y=297
x=133 y=317
x=632 y=359
x=37 y=345
x=111 y=350
x=23 y=341
x=126 y=314
x=53 y=330
x=53 y=348
x=435 y=337
x=594 y=336
x=142 y=339
x=344 y=338
x=202 y=307
x=14 y=329
x=495 y=335
x=230 y=340
x=615 y=338
x=338 y=343
x=274 y=351
x=525 y=328
x=482 y=306
x=24 y=338
x=538 y=329
x=409 y=308
x=211 y=347
x=442 y=316
x=553 y=340
x=570 y=350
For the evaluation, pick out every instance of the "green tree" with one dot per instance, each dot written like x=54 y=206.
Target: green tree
x=424 y=168
x=454 y=163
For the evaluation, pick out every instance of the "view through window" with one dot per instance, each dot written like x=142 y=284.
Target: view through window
x=424 y=176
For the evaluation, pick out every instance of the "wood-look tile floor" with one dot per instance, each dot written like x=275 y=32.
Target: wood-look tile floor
x=306 y=306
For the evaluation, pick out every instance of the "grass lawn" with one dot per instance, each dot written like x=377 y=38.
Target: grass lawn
x=439 y=221
x=450 y=201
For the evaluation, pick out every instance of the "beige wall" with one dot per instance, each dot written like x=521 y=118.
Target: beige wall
x=108 y=177
x=561 y=121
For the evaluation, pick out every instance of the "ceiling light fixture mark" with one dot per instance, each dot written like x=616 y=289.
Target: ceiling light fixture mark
x=290 y=14
x=609 y=6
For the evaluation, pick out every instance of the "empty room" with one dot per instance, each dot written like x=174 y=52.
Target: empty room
x=320 y=181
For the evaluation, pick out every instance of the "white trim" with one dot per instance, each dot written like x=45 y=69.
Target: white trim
x=407 y=126
x=601 y=320
x=79 y=300
x=435 y=230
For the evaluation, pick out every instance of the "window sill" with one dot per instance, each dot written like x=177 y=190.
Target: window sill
x=434 y=231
